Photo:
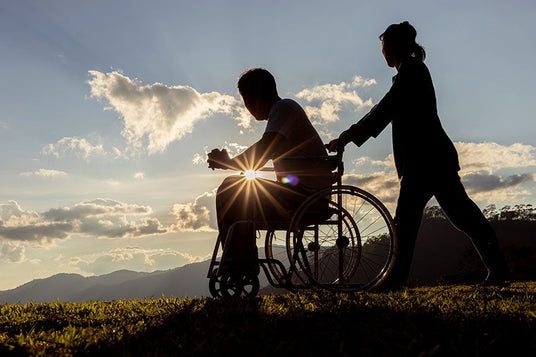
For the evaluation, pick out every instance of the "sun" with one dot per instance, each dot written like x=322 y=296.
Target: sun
x=250 y=174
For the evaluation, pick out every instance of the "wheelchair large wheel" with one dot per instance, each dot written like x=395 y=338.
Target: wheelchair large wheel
x=342 y=239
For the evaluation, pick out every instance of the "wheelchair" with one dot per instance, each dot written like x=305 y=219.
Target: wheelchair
x=340 y=239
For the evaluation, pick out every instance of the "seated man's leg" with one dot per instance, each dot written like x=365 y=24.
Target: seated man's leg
x=233 y=204
x=261 y=201
x=276 y=202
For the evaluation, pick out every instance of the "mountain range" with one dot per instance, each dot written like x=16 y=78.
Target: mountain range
x=122 y=284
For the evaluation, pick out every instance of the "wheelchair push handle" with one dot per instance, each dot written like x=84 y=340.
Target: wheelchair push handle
x=339 y=149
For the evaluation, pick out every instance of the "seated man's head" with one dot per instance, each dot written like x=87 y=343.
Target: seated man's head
x=258 y=89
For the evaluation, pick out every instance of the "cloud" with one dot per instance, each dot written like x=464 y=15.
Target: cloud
x=102 y=218
x=388 y=163
x=199 y=159
x=233 y=149
x=329 y=99
x=479 y=182
x=383 y=185
x=199 y=215
x=490 y=187
x=135 y=258
x=97 y=208
x=19 y=225
x=480 y=163
x=44 y=232
x=78 y=147
x=45 y=173
x=11 y=252
x=160 y=114
x=489 y=157
x=139 y=175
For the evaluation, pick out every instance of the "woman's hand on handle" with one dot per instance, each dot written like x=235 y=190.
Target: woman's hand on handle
x=337 y=145
x=333 y=145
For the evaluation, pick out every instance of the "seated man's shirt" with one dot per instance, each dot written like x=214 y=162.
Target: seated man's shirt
x=301 y=141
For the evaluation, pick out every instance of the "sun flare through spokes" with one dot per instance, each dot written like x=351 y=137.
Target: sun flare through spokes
x=250 y=174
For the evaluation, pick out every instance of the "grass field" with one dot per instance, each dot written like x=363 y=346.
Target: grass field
x=439 y=321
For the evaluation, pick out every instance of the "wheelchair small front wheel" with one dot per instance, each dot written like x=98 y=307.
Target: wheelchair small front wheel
x=239 y=285
x=214 y=284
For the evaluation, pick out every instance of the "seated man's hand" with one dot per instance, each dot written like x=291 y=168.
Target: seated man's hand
x=219 y=159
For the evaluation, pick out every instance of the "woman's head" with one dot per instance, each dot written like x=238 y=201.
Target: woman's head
x=398 y=43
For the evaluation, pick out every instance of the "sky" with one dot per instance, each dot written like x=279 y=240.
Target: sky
x=108 y=108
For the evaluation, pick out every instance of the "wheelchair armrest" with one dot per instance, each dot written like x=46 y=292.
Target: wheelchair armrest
x=326 y=162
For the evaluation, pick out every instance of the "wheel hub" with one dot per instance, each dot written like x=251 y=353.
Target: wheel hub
x=343 y=242
x=313 y=247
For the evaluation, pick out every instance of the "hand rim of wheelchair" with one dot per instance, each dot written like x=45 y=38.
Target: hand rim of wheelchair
x=299 y=265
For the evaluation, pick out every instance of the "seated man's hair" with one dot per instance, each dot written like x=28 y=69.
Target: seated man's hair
x=257 y=83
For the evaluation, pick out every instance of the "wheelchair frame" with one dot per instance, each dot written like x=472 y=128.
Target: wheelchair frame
x=302 y=273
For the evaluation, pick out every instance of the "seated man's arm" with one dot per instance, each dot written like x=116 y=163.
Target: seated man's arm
x=252 y=159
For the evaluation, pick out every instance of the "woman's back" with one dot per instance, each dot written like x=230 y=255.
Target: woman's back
x=419 y=141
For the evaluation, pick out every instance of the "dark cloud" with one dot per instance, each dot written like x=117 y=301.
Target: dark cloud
x=40 y=232
x=102 y=218
x=484 y=182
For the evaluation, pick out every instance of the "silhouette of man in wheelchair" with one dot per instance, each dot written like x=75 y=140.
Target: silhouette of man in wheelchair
x=245 y=203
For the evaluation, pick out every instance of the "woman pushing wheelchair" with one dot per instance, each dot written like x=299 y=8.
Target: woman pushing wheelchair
x=425 y=158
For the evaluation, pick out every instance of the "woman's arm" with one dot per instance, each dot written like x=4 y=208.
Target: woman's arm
x=373 y=123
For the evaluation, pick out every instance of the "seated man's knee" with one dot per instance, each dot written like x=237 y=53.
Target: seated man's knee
x=229 y=182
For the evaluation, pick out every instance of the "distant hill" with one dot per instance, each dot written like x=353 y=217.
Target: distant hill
x=185 y=281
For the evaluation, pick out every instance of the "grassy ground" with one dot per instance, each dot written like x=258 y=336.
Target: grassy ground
x=441 y=321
